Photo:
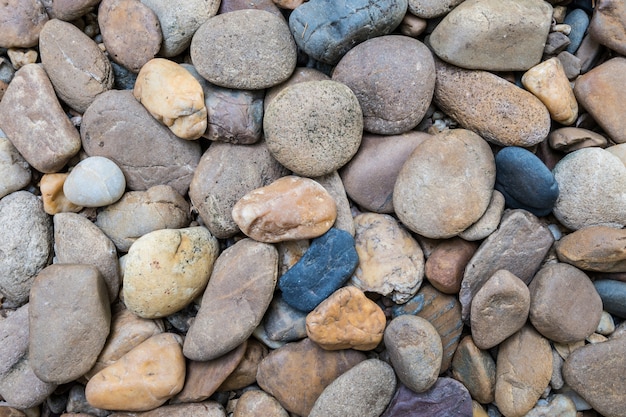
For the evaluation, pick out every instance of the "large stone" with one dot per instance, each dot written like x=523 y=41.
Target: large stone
x=239 y=291
x=475 y=369
x=94 y=182
x=14 y=170
x=493 y=35
x=34 y=121
x=68 y=10
x=608 y=25
x=22 y=23
x=445 y=185
x=487 y=104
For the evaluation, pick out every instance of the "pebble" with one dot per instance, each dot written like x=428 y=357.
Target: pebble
x=218 y=50
x=608 y=25
x=497 y=110
x=22 y=255
x=325 y=267
x=578 y=20
x=619 y=151
x=68 y=10
x=297 y=373
x=519 y=246
x=120 y=21
x=34 y=121
x=78 y=69
x=493 y=35
x=488 y=222
x=15 y=172
x=524 y=181
x=94 y=182
x=369 y=177
x=284 y=323
x=172 y=96
x=391 y=262
x=392 y=60
x=362 y=391
x=606 y=325
x=599 y=91
x=412 y=25
x=202 y=409
x=23 y=23
x=446 y=263
x=333 y=184
x=594 y=248
x=256 y=402
x=245 y=372
x=559 y=406
x=475 y=369
x=499 y=309
x=556 y=381
x=7 y=411
x=251 y=284
x=320 y=112
x=596 y=371
x=445 y=185
x=290 y=208
x=556 y=43
x=227 y=6
x=445 y=398
x=589 y=52
x=114 y=117
x=166 y=269
x=326 y=30
x=415 y=350
x=613 y=295
x=427 y=9
x=570 y=139
x=523 y=371
x=571 y=64
x=141 y=380
x=179 y=22
x=592 y=199
x=347 y=319
x=299 y=75
x=52 y=196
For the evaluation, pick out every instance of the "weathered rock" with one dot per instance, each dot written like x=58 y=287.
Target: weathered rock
x=23 y=21
x=363 y=391
x=14 y=170
x=78 y=69
x=488 y=222
x=578 y=21
x=594 y=248
x=34 y=121
x=427 y=9
x=218 y=50
x=60 y=294
x=22 y=255
x=94 y=182
x=166 y=269
x=446 y=263
x=52 y=196
x=569 y=139
x=613 y=295
x=432 y=196
x=391 y=61
x=245 y=372
x=257 y=402
x=284 y=323
x=560 y=405
x=290 y=208
x=446 y=397
x=319 y=112
x=608 y=25
x=245 y=272
x=499 y=111
x=475 y=369
x=143 y=379
x=297 y=373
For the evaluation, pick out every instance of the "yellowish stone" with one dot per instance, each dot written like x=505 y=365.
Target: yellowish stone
x=54 y=200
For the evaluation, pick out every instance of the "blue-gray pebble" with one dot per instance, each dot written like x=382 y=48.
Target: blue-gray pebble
x=525 y=181
x=578 y=20
x=327 y=29
x=325 y=267
x=613 y=295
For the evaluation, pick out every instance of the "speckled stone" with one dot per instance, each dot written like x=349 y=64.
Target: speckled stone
x=427 y=9
x=95 y=182
x=299 y=75
x=475 y=369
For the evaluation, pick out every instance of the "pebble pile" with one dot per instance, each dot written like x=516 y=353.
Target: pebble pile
x=289 y=208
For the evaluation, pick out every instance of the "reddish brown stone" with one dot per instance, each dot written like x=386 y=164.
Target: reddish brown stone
x=245 y=373
x=445 y=266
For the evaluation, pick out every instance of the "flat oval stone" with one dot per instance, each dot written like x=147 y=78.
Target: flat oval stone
x=608 y=25
x=297 y=373
x=218 y=50
x=589 y=196
x=120 y=22
x=143 y=379
x=569 y=139
x=446 y=397
x=290 y=208
x=391 y=60
x=23 y=23
x=314 y=128
x=391 y=262
x=415 y=350
x=363 y=391
x=325 y=30
x=613 y=295
x=494 y=108
x=34 y=121
x=493 y=35
x=446 y=263
x=245 y=272
x=432 y=196
x=155 y=156
x=325 y=267
x=594 y=248
x=488 y=222
x=166 y=269
x=255 y=402
x=347 y=319
x=78 y=69
x=172 y=96
x=475 y=369
x=14 y=170
x=95 y=182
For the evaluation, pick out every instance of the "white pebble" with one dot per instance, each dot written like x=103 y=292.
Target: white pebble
x=95 y=182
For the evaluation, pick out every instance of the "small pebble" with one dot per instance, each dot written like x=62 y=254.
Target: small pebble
x=578 y=20
x=606 y=325
x=613 y=295
x=475 y=369
x=15 y=172
x=256 y=402
x=95 y=182
x=569 y=139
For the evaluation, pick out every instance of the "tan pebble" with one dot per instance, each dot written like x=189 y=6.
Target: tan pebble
x=54 y=200
x=596 y=338
x=346 y=320
x=489 y=221
x=173 y=96
x=412 y=25
x=21 y=57
x=549 y=83
x=569 y=139
x=255 y=403
x=565 y=349
x=290 y=208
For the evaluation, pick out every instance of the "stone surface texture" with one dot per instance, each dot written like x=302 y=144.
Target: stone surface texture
x=475 y=369
x=594 y=248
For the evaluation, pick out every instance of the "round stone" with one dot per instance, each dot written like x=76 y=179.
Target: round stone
x=314 y=128
x=95 y=182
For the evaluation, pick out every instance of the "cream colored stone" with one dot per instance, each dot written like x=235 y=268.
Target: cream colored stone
x=143 y=379
x=21 y=57
x=54 y=200
x=549 y=83
x=173 y=96
x=168 y=268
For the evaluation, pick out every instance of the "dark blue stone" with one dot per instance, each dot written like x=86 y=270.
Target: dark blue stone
x=525 y=181
x=613 y=295
x=327 y=29
x=578 y=19
x=325 y=267
x=446 y=398
x=124 y=79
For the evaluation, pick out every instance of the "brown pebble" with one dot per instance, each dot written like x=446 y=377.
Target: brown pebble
x=445 y=266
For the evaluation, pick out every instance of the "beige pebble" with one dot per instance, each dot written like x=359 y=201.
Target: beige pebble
x=255 y=403
x=21 y=57
x=54 y=200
